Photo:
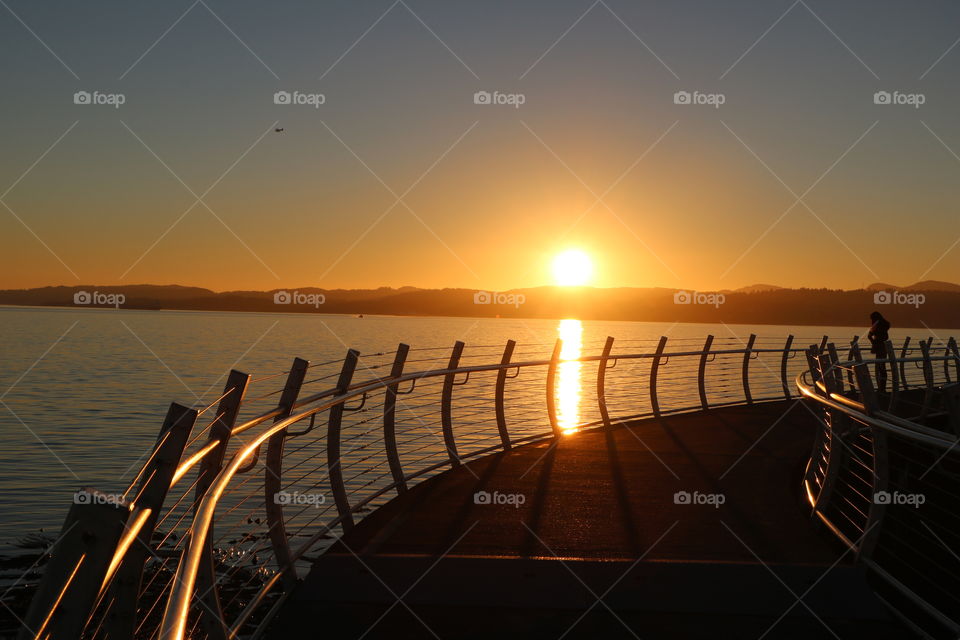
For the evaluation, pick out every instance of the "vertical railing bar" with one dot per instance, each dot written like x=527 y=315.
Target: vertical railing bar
x=894 y=375
x=746 y=368
x=928 y=391
x=826 y=361
x=837 y=373
x=654 y=367
x=389 y=419
x=499 y=395
x=602 y=381
x=79 y=560
x=812 y=364
x=702 y=372
x=868 y=394
x=854 y=345
x=211 y=614
x=273 y=470
x=334 y=462
x=552 y=387
x=783 y=367
x=952 y=344
x=881 y=483
x=446 y=405
x=946 y=360
x=125 y=589
x=903 y=354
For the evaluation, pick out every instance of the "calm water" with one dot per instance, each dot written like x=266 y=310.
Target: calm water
x=86 y=390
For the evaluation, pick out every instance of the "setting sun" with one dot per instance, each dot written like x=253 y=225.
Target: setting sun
x=572 y=268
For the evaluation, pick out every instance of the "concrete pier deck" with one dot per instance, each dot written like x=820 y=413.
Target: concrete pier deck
x=693 y=525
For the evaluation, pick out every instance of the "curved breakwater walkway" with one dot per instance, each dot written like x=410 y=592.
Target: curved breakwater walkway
x=693 y=525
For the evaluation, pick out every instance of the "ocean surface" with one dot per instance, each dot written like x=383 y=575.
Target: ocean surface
x=83 y=392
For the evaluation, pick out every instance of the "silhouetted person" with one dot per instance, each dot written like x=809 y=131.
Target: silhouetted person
x=878 y=335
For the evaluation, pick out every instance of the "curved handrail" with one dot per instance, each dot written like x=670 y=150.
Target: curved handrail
x=192 y=546
x=881 y=419
x=175 y=615
x=888 y=446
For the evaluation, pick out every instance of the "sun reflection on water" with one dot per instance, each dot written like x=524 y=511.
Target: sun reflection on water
x=568 y=383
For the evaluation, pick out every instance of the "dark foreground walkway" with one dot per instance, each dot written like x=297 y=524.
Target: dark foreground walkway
x=683 y=527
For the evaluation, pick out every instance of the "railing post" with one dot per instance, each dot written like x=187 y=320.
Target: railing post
x=125 y=589
x=334 y=465
x=927 y=365
x=446 y=405
x=552 y=388
x=854 y=348
x=211 y=614
x=837 y=373
x=389 y=419
x=499 y=393
x=868 y=394
x=273 y=472
x=746 y=368
x=602 y=381
x=813 y=365
x=79 y=560
x=826 y=361
x=702 y=373
x=952 y=349
x=894 y=375
x=903 y=354
x=881 y=482
x=654 y=367
x=783 y=367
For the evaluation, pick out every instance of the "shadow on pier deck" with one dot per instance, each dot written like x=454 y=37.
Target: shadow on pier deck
x=602 y=546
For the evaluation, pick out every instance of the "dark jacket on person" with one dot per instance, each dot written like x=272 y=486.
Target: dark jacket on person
x=879 y=334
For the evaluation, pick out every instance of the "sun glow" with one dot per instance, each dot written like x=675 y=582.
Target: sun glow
x=568 y=387
x=572 y=268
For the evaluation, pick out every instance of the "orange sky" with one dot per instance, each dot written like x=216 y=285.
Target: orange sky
x=399 y=178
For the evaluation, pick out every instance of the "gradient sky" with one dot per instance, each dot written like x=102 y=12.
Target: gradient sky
x=692 y=196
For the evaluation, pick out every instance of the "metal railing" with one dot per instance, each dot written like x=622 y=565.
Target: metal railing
x=884 y=473
x=237 y=497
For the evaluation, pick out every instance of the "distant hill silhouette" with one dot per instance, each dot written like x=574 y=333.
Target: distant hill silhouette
x=928 y=303
x=923 y=286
